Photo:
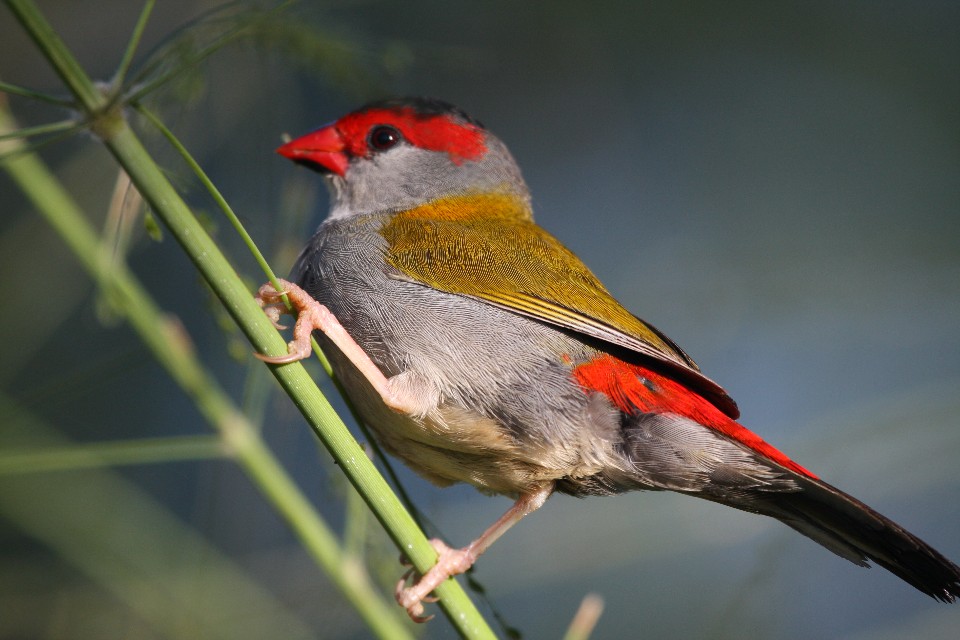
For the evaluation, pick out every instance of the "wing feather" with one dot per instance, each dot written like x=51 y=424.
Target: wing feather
x=482 y=249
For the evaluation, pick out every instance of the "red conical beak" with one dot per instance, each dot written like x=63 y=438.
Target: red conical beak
x=322 y=150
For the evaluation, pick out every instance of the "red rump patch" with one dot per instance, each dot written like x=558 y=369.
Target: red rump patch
x=635 y=389
x=461 y=140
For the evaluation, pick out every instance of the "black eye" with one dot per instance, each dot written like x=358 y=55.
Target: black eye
x=383 y=137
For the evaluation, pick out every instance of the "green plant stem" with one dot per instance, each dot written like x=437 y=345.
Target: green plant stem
x=145 y=81
x=167 y=205
x=214 y=193
x=103 y=454
x=57 y=54
x=13 y=89
x=164 y=338
x=127 y=59
x=42 y=129
x=165 y=572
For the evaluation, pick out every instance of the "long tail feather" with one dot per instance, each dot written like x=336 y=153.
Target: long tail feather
x=851 y=529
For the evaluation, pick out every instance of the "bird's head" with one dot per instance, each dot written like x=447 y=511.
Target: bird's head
x=398 y=154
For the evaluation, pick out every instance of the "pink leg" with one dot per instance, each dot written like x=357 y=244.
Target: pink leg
x=451 y=562
x=312 y=315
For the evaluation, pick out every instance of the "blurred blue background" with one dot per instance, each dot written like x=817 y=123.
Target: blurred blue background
x=775 y=185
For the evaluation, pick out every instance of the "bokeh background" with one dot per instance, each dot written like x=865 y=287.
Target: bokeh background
x=775 y=185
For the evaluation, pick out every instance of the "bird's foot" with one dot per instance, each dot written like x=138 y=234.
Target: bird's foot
x=310 y=315
x=450 y=562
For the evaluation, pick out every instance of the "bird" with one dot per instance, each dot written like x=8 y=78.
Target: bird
x=478 y=349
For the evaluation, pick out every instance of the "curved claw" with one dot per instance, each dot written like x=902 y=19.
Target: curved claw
x=271 y=301
x=420 y=619
x=402 y=584
x=414 y=609
x=287 y=359
x=269 y=294
x=450 y=562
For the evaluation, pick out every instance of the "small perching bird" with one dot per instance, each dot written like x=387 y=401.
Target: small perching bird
x=479 y=349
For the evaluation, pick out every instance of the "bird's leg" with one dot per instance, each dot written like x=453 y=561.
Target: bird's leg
x=451 y=562
x=312 y=315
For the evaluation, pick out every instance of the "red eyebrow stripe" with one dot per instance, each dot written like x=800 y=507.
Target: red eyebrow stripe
x=634 y=389
x=461 y=140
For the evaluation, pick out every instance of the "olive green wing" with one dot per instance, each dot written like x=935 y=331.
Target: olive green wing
x=515 y=265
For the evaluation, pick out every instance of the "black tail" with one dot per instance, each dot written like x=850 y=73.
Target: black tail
x=673 y=452
x=856 y=532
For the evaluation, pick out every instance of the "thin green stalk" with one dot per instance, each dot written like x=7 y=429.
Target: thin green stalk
x=234 y=221
x=27 y=132
x=57 y=54
x=131 y=49
x=167 y=205
x=173 y=582
x=39 y=144
x=239 y=436
x=214 y=192
x=108 y=454
x=143 y=86
x=6 y=87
